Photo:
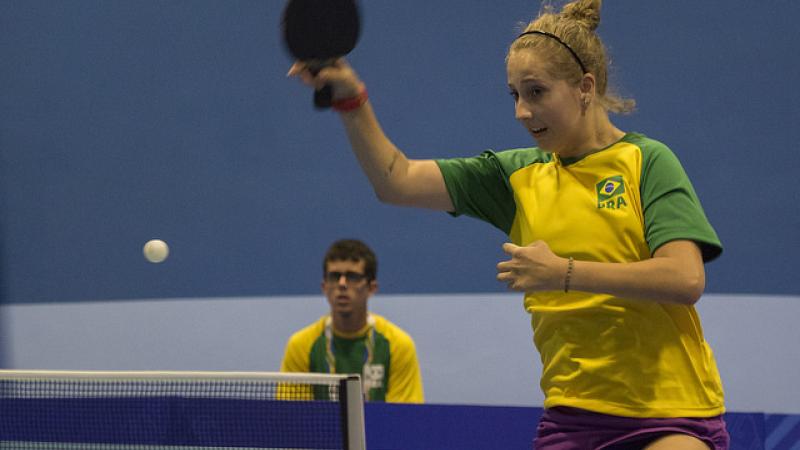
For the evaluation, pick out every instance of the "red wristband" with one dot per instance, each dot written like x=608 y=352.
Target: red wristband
x=352 y=103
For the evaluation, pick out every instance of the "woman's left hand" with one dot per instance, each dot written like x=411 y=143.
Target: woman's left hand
x=532 y=268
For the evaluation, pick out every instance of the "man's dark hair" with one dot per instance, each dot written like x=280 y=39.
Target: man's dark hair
x=352 y=250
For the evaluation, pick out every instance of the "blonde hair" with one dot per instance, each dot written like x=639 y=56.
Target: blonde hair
x=575 y=26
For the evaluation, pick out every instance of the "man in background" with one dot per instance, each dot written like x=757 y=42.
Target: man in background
x=351 y=339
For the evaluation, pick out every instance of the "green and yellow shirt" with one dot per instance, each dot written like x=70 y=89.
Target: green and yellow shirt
x=382 y=353
x=601 y=353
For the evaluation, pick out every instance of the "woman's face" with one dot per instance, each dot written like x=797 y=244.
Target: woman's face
x=548 y=108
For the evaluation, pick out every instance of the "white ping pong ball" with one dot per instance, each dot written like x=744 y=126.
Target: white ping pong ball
x=155 y=250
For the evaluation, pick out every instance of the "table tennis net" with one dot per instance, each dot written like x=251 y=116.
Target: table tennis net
x=179 y=410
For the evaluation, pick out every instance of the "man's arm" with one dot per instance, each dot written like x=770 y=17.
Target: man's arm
x=405 y=379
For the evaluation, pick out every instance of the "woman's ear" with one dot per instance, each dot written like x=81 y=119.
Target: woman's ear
x=587 y=87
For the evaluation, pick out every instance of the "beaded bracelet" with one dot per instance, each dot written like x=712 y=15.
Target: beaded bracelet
x=352 y=103
x=570 y=264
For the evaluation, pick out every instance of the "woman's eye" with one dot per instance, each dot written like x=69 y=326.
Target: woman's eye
x=514 y=95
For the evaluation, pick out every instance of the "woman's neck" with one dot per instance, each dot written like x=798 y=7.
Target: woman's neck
x=599 y=134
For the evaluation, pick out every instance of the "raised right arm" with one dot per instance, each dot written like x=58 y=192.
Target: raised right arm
x=395 y=178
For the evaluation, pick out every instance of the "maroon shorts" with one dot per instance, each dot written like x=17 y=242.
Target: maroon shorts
x=564 y=428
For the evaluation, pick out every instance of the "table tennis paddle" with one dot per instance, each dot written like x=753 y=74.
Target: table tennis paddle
x=318 y=32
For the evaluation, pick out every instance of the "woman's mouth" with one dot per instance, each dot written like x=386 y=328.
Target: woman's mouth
x=537 y=131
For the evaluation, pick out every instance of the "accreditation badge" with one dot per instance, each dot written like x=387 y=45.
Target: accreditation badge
x=373 y=376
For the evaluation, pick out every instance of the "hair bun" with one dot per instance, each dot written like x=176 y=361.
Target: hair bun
x=585 y=12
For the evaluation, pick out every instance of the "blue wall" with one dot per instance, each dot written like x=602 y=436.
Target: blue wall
x=121 y=121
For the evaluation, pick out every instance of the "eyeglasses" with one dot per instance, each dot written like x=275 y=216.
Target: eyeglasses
x=350 y=277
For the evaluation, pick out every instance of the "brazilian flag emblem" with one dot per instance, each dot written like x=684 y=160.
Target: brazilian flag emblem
x=610 y=187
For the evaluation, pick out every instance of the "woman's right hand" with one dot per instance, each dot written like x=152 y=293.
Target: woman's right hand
x=340 y=76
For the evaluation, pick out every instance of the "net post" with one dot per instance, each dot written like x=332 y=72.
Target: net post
x=351 y=398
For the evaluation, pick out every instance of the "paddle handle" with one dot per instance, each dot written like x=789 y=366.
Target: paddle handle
x=323 y=98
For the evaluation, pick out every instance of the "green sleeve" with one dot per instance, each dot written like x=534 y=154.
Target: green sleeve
x=672 y=210
x=479 y=186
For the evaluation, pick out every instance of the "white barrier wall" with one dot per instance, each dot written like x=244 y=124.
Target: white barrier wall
x=473 y=348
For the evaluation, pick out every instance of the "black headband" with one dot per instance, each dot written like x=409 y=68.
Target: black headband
x=558 y=39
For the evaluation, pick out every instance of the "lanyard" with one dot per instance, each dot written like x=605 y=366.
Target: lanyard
x=330 y=351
